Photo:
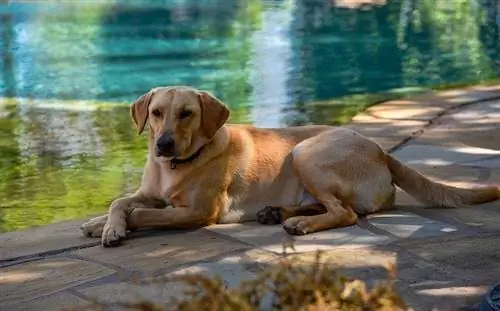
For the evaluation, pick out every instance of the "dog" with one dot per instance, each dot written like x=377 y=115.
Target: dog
x=201 y=171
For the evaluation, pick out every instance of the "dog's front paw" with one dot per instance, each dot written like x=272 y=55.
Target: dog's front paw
x=270 y=215
x=297 y=226
x=94 y=227
x=114 y=232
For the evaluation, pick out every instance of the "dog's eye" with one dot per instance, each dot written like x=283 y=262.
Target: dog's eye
x=156 y=113
x=185 y=114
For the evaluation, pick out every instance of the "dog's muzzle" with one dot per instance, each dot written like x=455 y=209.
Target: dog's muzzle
x=165 y=146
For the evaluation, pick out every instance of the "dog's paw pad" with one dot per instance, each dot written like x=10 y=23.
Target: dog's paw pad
x=270 y=215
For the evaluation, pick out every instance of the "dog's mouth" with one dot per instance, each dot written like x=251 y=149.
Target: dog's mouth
x=163 y=154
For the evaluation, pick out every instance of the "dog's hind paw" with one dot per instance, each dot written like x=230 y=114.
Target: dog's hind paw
x=297 y=226
x=270 y=215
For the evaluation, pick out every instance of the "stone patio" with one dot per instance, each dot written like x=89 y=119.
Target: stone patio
x=446 y=259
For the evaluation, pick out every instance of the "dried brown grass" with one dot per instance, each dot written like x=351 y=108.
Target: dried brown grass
x=288 y=286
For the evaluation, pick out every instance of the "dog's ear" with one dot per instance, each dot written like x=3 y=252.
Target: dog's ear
x=139 y=111
x=213 y=114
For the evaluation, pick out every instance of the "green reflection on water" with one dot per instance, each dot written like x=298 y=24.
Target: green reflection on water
x=60 y=163
x=63 y=164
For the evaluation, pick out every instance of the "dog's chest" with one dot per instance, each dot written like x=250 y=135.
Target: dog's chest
x=176 y=190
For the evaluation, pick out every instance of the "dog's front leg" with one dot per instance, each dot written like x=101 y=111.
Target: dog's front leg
x=116 y=225
x=122 y=218
x=202 y=211
x=95 y=226
x=173 y=218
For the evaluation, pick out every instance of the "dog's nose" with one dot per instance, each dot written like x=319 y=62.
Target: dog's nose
x=165 y=144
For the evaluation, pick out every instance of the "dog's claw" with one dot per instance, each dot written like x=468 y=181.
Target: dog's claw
x=114 y=233
x=85 y=231
x=117 y=241
x=293 y=230
x=296 y=226
x=270 y=215
x=113 y=243
x=94 y=227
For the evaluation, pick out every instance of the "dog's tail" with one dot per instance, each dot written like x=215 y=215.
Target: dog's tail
x=436 y=194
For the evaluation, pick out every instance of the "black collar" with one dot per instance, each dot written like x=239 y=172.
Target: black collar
x=174 y=162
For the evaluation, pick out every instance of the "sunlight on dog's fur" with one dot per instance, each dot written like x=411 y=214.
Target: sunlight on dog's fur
x=308 y=178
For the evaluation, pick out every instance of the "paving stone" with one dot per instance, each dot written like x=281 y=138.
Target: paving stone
x=437 y=155
x=455 y=175
x=482 y=113
x=478 y=135
x=371 y=126
x=272 y=238
x=436 y=99
x=164 y=251
x=484 y=217
x=363 y=264
x=255 y=260
x=409 y=225
x=448 y=139
x=405 y=110
x=452 y=298
x=475 y=257
x=24 y=282
x=452 y=98
x=423 y=282
x=451 y=174
x=475 y=125
x=57 y=302
x=494 y=176
x=230 y=269
x=494 y=89
x=471 y=265
x=440 y=297
x=493 y=162
x=388 y=142
x=415 y=278
x=131 y=293
x=403 y=199
x=42 y=239
x=470 y=96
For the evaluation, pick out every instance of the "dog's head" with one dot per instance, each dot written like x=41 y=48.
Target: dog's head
x=182 y=119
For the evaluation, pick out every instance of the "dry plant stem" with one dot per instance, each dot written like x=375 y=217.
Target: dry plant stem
x=293 y=286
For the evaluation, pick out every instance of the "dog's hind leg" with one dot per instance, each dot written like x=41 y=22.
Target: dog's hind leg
x=317 y=168
x=337 y=215
x=272 y=215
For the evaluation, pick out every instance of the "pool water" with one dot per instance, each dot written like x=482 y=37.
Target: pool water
x=69 y=70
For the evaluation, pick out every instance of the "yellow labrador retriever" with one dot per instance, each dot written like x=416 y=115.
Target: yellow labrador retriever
x=308 y=178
